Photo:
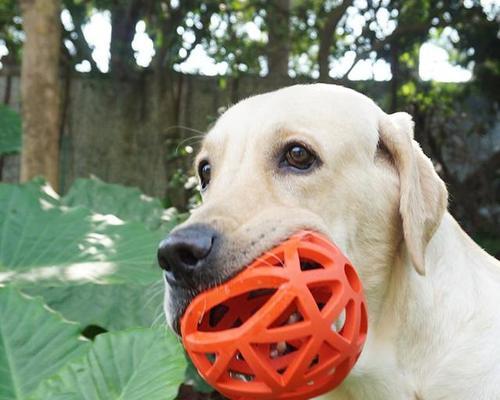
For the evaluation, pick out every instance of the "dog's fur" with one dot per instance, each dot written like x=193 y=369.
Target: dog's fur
x=433 y=295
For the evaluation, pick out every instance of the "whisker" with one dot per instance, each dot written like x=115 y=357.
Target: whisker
x=159 y=320
x=271 y=255
x=194 y=139
x=187 y=128
x=152 y=298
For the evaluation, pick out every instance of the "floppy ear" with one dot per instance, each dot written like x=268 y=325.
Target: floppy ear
x=423 y=195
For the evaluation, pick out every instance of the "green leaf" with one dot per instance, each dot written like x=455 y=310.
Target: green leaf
x=127 y=203
x=10 y=131
x=34 y=344
x=43 y=243
x=132 y=365
x=112 y=307
x=93 y=269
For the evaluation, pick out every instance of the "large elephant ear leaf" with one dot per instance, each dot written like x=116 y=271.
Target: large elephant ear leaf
x=67 y=251
x=111 y=307
x=127 y=203
x=42 y=242
x=138 y=364
x=34 y=344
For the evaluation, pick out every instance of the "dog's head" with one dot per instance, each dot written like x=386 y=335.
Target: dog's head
x=317 y=157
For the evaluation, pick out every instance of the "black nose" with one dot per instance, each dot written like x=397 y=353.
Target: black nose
x=184 y=253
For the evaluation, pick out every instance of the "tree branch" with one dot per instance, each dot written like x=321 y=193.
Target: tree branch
x=326 y=37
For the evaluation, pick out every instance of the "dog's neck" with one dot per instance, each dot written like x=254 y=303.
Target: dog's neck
x=423 y=328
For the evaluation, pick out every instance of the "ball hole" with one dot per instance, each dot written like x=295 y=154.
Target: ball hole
x=326 y=353
x=260 y=292
x=289 y=316
x=241 y=376
x=238 y=322
x=321 y=293
x=281 y=349
x=308 y=265
x=363 y=326
x=314 y=361
x=352 y=278
x=348 y=315
x=216 y=314
x=211 y=357
x=235 y=311
x=339 y=323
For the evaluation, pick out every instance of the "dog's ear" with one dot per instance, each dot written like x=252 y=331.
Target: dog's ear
x=423 y=195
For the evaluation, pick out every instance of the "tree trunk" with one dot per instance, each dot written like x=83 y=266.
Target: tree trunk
x=40 y=90
x=325 y=44
x=124 y=18
x=278 y=49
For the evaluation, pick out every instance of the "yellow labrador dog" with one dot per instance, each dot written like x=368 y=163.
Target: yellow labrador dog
x=326 y=158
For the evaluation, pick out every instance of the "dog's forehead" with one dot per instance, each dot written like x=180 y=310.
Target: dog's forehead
x=319 y=109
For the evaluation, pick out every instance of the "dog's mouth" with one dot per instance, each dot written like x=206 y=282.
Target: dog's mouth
x=181 y=295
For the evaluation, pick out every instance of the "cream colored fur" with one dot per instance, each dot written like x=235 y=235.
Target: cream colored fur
x=433 y=295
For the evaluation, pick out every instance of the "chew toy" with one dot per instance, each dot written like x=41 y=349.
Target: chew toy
x=290 y=326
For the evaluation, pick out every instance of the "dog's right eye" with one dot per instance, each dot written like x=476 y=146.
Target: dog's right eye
x=204 y=172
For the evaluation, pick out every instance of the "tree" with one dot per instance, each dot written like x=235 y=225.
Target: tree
x=124 y=18
x=327 y=24
x=278 y=49
x=40 y=90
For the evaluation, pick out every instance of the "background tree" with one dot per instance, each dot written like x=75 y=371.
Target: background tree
x=40 y=90
x=278 y=48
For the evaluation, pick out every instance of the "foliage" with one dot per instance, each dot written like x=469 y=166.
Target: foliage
x=489 y=242
x=319 y=33
x=35 y=343
x=11 y=33
x=126 y=203
x=96 y=270
x=134 y=365
x=57 y=245
x=10 y=131
x=455 y=125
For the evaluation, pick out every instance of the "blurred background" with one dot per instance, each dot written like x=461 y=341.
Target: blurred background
x=123 y=89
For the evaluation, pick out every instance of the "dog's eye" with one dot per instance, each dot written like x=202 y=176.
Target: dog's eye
x=204 y=171
x=299 y=157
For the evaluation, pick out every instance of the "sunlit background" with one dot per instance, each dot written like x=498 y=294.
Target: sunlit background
x=434 y=59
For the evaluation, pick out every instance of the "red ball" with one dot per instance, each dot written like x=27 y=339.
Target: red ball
x=289 y=326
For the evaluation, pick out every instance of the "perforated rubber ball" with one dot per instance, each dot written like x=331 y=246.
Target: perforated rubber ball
x=289 y=326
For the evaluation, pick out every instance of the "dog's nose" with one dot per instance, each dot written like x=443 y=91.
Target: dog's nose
x=184 y=252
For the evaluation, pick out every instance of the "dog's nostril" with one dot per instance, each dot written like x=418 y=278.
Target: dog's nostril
x=187 y=256
x=162 y=260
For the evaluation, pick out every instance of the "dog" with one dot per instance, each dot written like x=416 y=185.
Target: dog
x=328 y=159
